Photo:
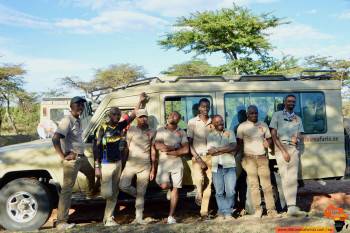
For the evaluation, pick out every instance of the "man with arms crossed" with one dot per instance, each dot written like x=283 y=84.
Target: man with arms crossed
x=256 y=138
x=197 y=131
x=286 y=128
x=69 y=145
x=172 y=143
x=141 y=162
x=221 y=145
x=108 y=154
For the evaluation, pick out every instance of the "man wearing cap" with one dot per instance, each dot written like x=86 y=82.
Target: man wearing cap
x=69 y=145
x=108 y=148
x=141 y=162
x=286 y=129
x=172 y=143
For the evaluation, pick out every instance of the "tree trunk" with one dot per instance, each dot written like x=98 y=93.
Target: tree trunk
x=9 y=117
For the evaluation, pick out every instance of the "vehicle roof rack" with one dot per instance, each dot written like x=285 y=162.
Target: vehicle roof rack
x=315 y=74
x=247 y=78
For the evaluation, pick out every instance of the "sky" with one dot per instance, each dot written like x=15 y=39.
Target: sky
x=57 y=38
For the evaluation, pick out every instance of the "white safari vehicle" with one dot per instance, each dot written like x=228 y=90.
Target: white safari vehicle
x=30 y=173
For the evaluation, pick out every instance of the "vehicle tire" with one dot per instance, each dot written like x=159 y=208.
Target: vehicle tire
x=24 y=205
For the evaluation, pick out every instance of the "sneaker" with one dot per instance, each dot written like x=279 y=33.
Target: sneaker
x=273 y=214
x=171 y=220
x=294 y=211
x=64 y=226
x=168 y=195
x=110 y=222
x=139 y=221
x=258 y=213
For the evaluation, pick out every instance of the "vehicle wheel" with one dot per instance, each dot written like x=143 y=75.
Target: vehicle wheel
x=24 y=204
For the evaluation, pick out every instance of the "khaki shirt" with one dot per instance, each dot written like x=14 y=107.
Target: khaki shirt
x=220 y=139
x=198 y=131
x=253 y=136
x=286 y=129
x=139 y=142
x=70 y=128
x=176 y=138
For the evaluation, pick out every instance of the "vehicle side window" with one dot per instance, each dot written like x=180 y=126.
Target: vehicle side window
x=267 y=103
x=313 y=112
x=187 y=106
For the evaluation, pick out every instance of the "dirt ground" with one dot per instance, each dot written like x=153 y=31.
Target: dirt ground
x=314 y=197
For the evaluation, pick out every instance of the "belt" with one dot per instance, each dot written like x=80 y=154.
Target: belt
x=251 y=155
x=77 y=155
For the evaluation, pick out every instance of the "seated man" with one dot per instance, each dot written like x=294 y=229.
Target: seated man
x=172 y=143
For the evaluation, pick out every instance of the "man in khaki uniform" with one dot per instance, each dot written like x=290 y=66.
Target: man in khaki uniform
x=197 y=131
x=256 y=138
x=172 y=143
x=286 y=128
x=69 y=145
x=108 y=148
x=141 y=162
x=221 y=146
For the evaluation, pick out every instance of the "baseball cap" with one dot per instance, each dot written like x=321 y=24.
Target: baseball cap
x=77 y=99
x=141 y=112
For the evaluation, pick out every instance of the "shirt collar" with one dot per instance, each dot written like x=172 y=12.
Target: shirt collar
x=289 y=116
x=73 y=119
x=199 y=119
x=177 y=129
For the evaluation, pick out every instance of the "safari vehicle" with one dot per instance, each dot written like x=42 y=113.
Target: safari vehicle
x=31 y=173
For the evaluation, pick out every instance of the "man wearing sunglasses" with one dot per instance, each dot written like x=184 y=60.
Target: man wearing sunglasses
x=108 y=148
x=286 y=128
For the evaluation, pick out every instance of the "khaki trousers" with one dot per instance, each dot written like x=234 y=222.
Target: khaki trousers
x=110 y=186
x=289 y=173
x=70 y=172
x=203 y=180
x=142 y=178
x=257 y=168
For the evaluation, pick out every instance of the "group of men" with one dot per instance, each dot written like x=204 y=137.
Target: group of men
x=157 y=155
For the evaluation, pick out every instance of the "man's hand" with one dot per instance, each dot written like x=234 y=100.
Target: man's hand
x=266 y=143
x=143 y=98
x=286 y=156
x=152 y=174
x=168 y=148
x=70 y=156
x=172 y=153
x=294 y=140
x=212 y=151
x=98 y=172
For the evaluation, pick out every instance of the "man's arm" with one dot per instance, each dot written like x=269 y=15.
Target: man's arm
x=141 y=104
x=159 y=145
x=56 y=140
x=153 y=163
x=224 y=149
x=239 y=144
x=278 y=143
x=183 y=150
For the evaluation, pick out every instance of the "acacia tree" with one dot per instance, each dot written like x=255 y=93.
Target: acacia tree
x=109 y=78
x=236 y=32
x=193 y=67
x=11 y=82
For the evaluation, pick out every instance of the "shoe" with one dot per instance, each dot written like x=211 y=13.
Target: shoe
x=139 y=221
x=110 y=222
x=198 y=200
x=294 y=211
x=273 y=214
x=171 y=220
x=168 y=195
x=258 y=213
x=64 y=226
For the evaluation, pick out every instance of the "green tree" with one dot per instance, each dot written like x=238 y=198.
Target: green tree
x=236 y=32
x=195 y=67
x=11 y=82
x=109 y=78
